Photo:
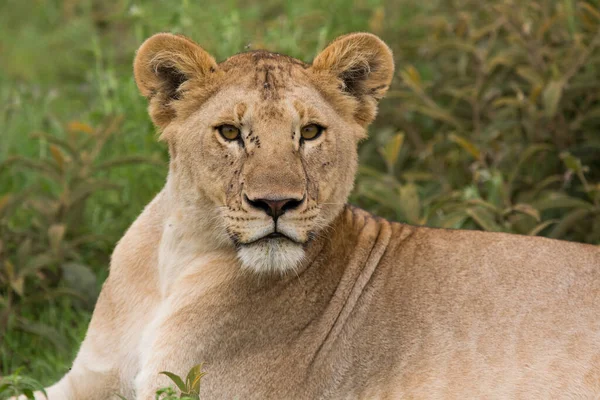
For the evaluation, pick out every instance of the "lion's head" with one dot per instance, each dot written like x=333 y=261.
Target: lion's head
x=262 y=143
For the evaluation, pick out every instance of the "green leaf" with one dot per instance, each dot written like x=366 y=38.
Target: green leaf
x=546 y=182
x=551 y=97
x=416 y=176
x=82 y=191
x=529 y=152
x=410 y=203
x=438 y=114
x=18 y=285
x=454 y=220
x=44 y=331
x=505 y=58
x=176 y=379
x=571 y=162
x=496 y=189
x=530 y=75
x=467 y=145
x=131 y=160
x=193 y=379
x=554 y=200
x=391 y=150
x=45 y=167
x=58 y=156
x=590 y=9
x=4 y=201
x=16 y=200
x=411 y=77
x=36 y=262
x=513 y=102
x=45 y=296
x=487 y=205
x=535 y=231
x=77 y=126
x=16 y=280
x=567 y=223
x=56 y=234
x=368 y=171
x=4 y=387
x=454 y=44
x=62 y=144
x=484 y=219
x=24 y=251
x=526 y=209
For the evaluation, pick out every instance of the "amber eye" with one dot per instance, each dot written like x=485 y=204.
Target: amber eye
x=229 y=132
x=312 y=131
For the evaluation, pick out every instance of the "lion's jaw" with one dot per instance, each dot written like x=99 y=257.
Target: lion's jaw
x=269 y=188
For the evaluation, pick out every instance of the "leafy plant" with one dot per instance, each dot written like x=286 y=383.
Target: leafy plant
x=42 y=238
x=16 y=385
x=500 y=111
x=188 y=390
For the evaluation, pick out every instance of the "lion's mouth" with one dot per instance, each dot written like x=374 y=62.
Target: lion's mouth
x=275 y=236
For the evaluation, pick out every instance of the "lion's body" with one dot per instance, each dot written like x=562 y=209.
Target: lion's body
x=385 y=310
x=250 y=262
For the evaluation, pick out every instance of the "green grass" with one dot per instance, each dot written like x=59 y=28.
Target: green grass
x=46 y=353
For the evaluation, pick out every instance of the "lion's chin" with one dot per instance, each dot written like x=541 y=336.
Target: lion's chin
x=271 y=256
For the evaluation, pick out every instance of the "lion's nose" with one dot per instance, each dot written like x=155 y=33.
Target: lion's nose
x=274 y=207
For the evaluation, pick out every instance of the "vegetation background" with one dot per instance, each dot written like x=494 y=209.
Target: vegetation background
x=493 y=123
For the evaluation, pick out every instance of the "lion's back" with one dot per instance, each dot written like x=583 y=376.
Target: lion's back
x=490 y=313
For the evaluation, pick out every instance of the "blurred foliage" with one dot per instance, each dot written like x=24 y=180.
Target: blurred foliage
x=16 y=385
x=497 y=122
x=493 y=123
x=43 y=243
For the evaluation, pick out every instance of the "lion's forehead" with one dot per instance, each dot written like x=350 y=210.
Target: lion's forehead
x=272 y=75
x=267 y=105
x=258 y=57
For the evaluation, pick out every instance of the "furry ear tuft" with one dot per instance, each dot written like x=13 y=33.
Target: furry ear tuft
x=163 y=64
x=364 y=65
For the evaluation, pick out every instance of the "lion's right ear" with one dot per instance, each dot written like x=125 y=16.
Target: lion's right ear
x=364 y=67
x=162 y=66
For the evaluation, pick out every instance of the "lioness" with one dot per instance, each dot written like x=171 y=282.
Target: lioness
x=250 y=261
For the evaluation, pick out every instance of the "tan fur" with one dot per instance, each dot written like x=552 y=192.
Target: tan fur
x=354 y=306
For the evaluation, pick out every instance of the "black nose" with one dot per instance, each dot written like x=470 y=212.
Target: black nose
x=274 y=208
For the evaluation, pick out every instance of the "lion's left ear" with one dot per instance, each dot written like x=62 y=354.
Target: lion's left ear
x=365 y=67
x=162 y=66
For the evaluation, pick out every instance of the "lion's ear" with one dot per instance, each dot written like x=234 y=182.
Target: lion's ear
x=364 y=65
x=163 y=64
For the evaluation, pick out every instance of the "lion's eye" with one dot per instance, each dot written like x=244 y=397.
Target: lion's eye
x=312 y=131
x=229 y=132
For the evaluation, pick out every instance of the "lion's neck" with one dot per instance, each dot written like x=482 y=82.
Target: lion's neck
x=190 y=239
x=303 y=314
